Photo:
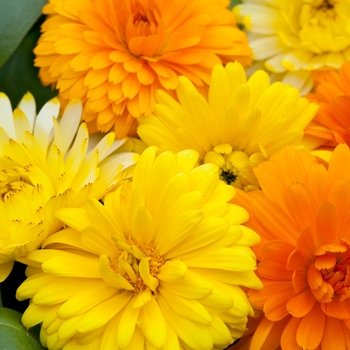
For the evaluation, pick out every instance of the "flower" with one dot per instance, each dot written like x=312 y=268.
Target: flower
x=45 y=164
x=331 y=124
x=113 y=55
x=159 y=265
x=291 y=38
x=302 y=216
x=242 y=123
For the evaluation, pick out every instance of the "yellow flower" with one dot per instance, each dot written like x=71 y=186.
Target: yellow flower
x=242 y=123
x=113 y=55
x=47 y=164
x=294 y=37
x=158 y=266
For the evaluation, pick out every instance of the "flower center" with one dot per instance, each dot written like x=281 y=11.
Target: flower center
x=329 y=275
x=144 y=32
x=234 y=167
x=12 y=181
x=144 y=22
x=323 y=26
x=138 y=264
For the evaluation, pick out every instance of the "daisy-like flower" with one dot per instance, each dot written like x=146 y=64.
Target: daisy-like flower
x=46 y=164
x=243 y=121
x=332 y=121
x=291 y=38
x=158 y=266
x=302 y=216
x=113 y=55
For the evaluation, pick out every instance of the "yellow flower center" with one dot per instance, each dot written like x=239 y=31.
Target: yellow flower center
x=235 y=167
x=138 y=264
x=323 y=26
x=12 y=181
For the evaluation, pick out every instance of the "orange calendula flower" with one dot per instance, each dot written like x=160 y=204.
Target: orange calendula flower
x=114 y=55
x=332 y=122
x=302 y=216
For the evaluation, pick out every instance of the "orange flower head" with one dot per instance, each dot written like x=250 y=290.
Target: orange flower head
x=302 y=216
x=114 y=54
x=331 y=124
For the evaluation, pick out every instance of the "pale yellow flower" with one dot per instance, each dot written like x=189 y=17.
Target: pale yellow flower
x=294 y=37
x=45 y=164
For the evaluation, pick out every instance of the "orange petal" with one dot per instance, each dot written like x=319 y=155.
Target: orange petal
x=288 y=339
x=326 y=261
x=302 y=204
x=275 y=307
x=298 y=262
x=273 y=268
x=299 y=281
x=268 y=334
x=326 y=224
x=339 y=163
x=333 y=336
x=301 y=305
x=336 y=308
x=306 y=243
x=311 y=327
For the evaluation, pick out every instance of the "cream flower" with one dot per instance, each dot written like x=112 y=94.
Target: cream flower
x=46 y=164
x=294 y=37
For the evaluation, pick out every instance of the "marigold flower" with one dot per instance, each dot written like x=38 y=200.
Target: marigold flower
x=331 y=124
x=294 y=37
x=243 y=121
x=159 y=265
x=113 y=55
x=302 y=216
x=45 y=164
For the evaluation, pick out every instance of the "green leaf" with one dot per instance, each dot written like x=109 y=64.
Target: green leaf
x=19 y=75
x=13 y=335
x=234 y=3
x=17 y=17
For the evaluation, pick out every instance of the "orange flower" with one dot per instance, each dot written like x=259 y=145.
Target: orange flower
x=331 y=125
x=113 y=55
x=303 y=217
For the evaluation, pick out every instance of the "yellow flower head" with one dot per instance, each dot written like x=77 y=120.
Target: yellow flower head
x=242 y=123
x=47 y=164
x=158 y=266
x=294 y=37
x=113 y=55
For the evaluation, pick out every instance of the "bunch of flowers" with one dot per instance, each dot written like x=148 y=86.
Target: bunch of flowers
x=187 y=187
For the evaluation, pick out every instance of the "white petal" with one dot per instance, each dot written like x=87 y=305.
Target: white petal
x=28 y=106
x=6 y=119
x=43 y=129
x=70 y=122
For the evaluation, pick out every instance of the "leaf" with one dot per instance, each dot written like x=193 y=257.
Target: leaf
x=13 y=335
x=17 y=17
x=19 y=75
x=234 y=3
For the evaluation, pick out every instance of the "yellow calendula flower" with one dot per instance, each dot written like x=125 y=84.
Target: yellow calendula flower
x=159 y=265
x=294 y=37
x=115 y=54
x=45 y=164
x=243 y=122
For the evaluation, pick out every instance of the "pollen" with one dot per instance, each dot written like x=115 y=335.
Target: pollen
x=128 y=259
